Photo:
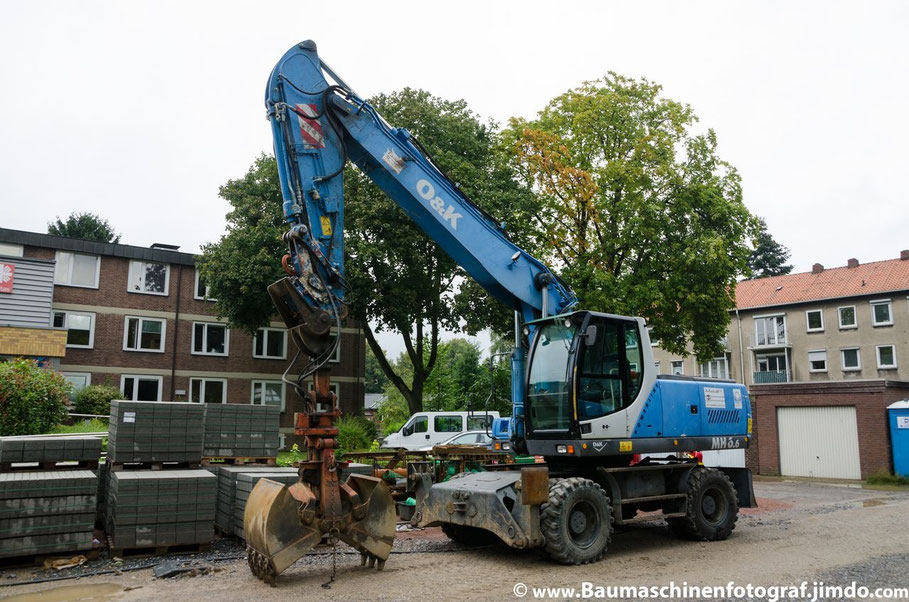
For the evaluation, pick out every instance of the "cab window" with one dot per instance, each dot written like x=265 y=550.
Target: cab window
x=610 y=371
x=420 y=424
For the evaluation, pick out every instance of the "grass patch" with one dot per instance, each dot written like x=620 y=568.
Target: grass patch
x=882 y=477
x=94 y=425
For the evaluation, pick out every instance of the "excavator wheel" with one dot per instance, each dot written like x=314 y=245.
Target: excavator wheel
x=712 y=507
x=576 y=521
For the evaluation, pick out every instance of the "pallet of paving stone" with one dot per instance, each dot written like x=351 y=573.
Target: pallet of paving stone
x=162 y=550
x=239 y=461
x=241 y=431
x=122 y=466
x=245 y=483
x=151 y=509
x=155 y=431
x=49 y=453
x=227 y=490
x=46 y=512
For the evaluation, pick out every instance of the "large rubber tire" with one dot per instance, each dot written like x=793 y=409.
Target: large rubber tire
x=712 y=507
x=576 y=521
x=469 y=536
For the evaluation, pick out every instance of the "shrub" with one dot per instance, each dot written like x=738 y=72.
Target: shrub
x=354 y=434
x=883 y=477
x=32 y=399
x=95 y=399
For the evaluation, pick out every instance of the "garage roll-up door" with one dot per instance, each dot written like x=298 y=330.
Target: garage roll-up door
x=819 y=442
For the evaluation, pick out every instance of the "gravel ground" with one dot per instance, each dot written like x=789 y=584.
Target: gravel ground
x=802 y=532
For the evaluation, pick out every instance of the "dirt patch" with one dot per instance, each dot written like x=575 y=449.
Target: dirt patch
x=766 y=505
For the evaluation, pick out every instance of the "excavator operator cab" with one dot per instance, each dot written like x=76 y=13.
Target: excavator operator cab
x=583 y=366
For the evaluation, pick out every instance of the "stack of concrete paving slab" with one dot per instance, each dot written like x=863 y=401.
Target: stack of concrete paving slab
x=46 y=512
x=46 y=449
x=234 y=430
x=245 y=483
x=156 y=508
x=155 y=431
x=228 y=476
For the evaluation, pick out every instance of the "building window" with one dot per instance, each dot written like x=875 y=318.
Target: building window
x=148 y=277
x=200 y=289
x=851 y=359
x=144 y=334
x=677 y=367
x=76 y=269
x=817 y=361
x=141 y=388
x=847 y=317
x=77 y=380
x=270 y=343
x=267 y=393
x=815 y=319
x=336 y=356
x=80 y=328
x=770 y=330
x=771 y=368
x=208 y=390
x=886 y=357
x=715 y=368
x=881 y=314
x=210 y=339
x=10 y=250
x=656 y=365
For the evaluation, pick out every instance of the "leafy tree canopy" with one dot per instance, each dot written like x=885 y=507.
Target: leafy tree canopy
x=768 y=258
x=84 y=225
x=635 y=211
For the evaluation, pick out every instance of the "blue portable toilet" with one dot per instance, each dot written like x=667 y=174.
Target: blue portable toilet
x=899 y=436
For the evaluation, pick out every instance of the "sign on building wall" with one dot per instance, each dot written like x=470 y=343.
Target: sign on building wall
x=7 y=273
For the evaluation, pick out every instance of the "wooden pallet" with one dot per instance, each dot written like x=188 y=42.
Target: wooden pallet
x=191 y=548
x=35 y=466
x=121 y=466
x=238 y=461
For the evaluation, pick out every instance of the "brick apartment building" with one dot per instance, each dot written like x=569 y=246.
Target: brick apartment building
x=139 y=319
x=823 y=353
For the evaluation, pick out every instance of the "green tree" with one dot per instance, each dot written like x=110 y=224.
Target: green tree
x=32 y=399
x=84 y=225
x=95 y=399
x=768 y=258
x=637 y=212
x=376 y=380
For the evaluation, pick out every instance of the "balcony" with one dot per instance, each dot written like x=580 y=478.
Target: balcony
x=771 y=376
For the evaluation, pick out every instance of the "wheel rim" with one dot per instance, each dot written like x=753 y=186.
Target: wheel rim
x=583 y=524
x=714 y=506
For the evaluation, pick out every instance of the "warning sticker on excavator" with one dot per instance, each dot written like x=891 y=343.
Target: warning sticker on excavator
x=310 y=128
x=714 y=397
x=624 y=446
x=326 y=225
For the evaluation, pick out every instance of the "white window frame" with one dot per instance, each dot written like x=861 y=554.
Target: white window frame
x=334 y=388
x=681 y=364
x=336 y=356
x=143 y=262
x=192 y=348
x=204 y=379
x=196 y=290
x=877 y=353
x=656 y=365
x=17 y=250
x=889 y=311
x=264 y=346
x=858 y=355
x=138 y=377
x=261 y=382
x=808 y=322
x=141 y=319
x=839 y=317
x=708 y=363
x=66 y=315
x=814 y=370
x=71 y=263
x=86 y=375
x=777 y=342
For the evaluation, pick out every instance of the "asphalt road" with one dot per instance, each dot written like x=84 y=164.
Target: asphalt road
x=801 y=532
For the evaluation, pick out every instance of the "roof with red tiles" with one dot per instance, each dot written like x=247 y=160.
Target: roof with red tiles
x=872 y=278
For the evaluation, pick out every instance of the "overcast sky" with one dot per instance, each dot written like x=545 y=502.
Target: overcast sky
x=139 y=111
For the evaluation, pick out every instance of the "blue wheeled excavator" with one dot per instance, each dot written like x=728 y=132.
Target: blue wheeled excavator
x=585 y=393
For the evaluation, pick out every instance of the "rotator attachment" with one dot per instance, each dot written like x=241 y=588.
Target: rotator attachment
x=283 y=523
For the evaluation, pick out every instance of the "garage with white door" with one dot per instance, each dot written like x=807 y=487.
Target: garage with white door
x=819 y=441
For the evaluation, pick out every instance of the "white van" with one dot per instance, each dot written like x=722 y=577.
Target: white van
x=426 y=429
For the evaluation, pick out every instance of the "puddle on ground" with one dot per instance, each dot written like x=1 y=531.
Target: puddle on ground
x=99 y=592
x=872 y=502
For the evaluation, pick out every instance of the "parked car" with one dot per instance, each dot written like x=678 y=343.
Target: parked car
x=477 y=438
x=426 y=429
